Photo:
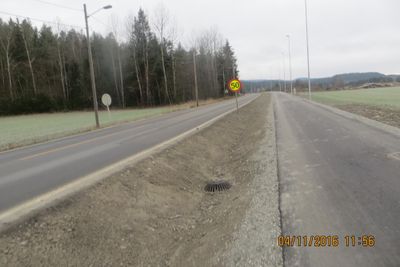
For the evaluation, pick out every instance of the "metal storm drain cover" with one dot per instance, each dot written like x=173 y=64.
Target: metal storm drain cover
x=217 y=186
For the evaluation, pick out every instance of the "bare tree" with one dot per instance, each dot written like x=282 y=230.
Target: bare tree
x=2 y=74
x=61 y=63
x=5 y=41
x=137 y=72
x=115 y=28
x=25 y=35
x=160 y=24
x=130 y=22
x=114 y=71
x=173 y=36
x=216 y=42
x=146 y=70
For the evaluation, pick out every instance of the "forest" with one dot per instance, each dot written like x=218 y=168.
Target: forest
x=46 y=69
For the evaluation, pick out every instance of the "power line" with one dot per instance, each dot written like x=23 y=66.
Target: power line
x=59 y=6
x=41 y=20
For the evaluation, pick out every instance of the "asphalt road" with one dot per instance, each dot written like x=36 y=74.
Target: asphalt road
x=29 y=172
x=337 y=177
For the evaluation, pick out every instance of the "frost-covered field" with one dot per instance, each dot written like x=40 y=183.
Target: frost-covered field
x=28 y=129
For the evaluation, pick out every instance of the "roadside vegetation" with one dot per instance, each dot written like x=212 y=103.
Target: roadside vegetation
x=141 y=62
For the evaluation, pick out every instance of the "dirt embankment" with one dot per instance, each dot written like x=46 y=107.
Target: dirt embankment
x=386 y=115
x=156 y=212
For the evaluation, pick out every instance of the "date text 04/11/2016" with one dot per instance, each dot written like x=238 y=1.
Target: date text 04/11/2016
x=366 y=241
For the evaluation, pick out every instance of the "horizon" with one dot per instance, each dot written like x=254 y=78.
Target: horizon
x=324 y=77
x=338 y=44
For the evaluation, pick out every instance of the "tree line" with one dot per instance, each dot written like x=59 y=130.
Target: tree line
x=47 y=69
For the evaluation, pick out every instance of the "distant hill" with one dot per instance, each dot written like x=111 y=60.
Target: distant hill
x=356 y=77
x=336 y=81
x=348 y=78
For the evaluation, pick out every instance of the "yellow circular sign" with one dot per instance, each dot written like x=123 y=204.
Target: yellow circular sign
x=235 y=85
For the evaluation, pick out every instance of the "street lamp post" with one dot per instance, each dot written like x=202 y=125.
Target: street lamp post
x=290 y=65
x=308 y=51
x=284 y=71
x=92 y=79
x=196 y=88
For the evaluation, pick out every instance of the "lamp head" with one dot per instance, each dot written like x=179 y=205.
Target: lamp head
x=107 y=7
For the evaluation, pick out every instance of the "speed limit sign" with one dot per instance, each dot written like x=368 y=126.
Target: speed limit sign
x=234 y=85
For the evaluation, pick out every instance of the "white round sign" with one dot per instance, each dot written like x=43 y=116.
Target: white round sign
x=106 y=100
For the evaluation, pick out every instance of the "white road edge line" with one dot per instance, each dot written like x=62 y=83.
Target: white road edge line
x=31 y=207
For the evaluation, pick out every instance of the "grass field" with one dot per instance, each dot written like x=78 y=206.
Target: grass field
x=16 y=131
x=382 y=97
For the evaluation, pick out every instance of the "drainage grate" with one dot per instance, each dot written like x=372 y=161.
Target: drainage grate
x=217 y=186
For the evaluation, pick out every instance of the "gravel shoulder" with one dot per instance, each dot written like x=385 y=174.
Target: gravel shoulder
x=387 y=115
x=156 y=213
x=255 y=242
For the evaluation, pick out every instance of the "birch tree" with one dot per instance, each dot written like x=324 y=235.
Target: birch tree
x=5 y=42
x=115 y=29
x=26 y=33
x=160 y=24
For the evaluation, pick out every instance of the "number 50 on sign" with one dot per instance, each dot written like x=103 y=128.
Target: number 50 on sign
x=234 y=85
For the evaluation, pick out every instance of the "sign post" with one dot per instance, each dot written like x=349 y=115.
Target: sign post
x=106 y=100
x=235 y=86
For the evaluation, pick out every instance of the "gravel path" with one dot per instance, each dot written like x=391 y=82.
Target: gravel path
x=255 y=242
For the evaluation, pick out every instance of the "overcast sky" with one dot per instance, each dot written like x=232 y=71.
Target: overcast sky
x=345 y=35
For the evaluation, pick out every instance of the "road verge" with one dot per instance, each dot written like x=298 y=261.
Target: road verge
x=30 y=208
x=373 y=123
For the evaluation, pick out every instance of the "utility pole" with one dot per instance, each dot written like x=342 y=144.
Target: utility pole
x=92 y=79
x=308 y=51
x=270 y=85
x=290 y=65
x=223 y=79
x=280 y=81
x=233 y=77
x=195 y=78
